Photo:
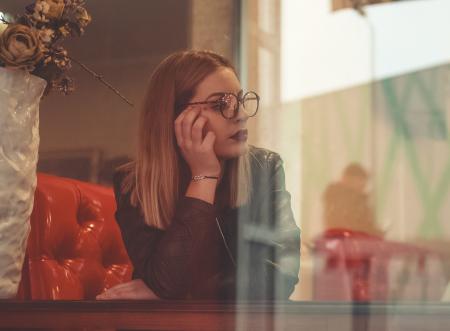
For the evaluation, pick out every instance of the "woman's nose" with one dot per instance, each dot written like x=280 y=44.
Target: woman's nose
x=241 y=115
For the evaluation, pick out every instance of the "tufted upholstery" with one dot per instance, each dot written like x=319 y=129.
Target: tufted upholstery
x=75 y=248
x=352 y=265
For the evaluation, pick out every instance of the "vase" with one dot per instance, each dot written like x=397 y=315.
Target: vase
x=20 y=94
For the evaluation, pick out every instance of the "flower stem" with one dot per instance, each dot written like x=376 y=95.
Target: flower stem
x=100 y=78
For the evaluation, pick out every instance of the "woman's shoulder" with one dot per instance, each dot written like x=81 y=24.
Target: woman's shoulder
x=122 y=172
x=263 y=158
x=123 y=179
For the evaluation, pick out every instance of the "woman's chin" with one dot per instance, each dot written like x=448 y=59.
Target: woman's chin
x=233 y=150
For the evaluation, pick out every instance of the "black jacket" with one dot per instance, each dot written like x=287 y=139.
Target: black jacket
x=197 y=256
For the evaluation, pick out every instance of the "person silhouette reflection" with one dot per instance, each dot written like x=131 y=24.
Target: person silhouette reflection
x=346 y=202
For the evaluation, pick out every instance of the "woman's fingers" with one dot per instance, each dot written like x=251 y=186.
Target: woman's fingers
x=186 y=126
x=120 y=286
x=105 y=295
x=209 y=140
x=189 y=127
x=136 y=289
x=115 y=291
x=196 y=147
x=197 y=130
x=178 y=130
x=115 y=295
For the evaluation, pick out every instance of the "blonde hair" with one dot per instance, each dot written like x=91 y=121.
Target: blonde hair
x=159 y=173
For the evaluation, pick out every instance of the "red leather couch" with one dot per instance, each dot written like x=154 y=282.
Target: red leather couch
x=75 y=249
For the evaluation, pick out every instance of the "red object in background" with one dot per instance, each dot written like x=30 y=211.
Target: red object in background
x=75 y=248
x=353 y=266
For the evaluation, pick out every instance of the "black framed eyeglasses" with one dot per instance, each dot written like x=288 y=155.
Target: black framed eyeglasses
x=228 y=103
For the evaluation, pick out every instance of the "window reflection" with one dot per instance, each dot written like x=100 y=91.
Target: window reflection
x=370 y=91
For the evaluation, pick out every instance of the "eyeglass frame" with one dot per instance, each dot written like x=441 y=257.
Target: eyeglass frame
x=240 y=101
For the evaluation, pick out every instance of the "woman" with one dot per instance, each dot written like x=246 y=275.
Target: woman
x=197 y=191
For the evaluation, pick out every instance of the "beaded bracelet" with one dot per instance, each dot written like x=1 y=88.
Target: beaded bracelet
x=200 y=177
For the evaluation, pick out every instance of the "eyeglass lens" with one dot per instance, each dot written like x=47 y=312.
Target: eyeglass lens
x=230 y=104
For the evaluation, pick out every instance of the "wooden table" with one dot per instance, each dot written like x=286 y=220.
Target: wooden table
x=171 y=315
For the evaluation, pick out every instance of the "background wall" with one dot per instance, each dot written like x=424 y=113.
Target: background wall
x=215 y=26
x=88 y=133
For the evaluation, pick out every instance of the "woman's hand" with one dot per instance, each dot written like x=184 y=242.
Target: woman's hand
x=198 y=151
x=134 y=290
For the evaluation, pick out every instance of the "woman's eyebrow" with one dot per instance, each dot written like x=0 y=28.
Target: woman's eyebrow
x=223 y=93
x=216 y=94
